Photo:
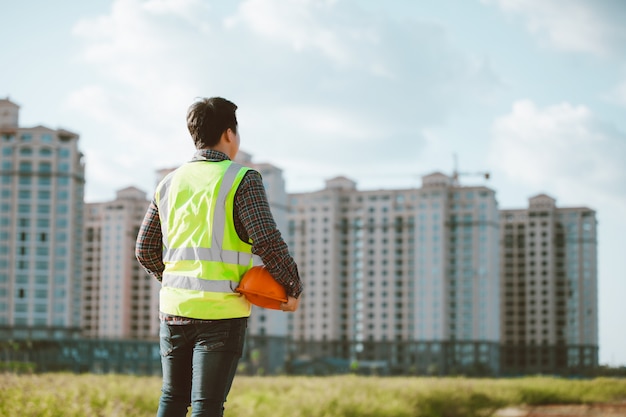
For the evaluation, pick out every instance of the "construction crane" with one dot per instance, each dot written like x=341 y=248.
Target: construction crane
x=456 y=174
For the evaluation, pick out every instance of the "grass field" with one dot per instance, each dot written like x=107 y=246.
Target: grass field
x=69 y=395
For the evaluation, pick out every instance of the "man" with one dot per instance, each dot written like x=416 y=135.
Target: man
x=207 y=219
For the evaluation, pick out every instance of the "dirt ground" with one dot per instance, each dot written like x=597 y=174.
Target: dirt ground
x=590 y=410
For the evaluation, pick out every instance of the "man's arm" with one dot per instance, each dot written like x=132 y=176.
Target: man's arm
x=149 y=245
x=254 y=220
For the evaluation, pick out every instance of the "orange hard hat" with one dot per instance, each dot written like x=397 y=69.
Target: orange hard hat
x=261 y=289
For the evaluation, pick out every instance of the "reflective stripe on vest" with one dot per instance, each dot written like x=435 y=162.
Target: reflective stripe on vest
x=192 y=283
x=207 y=254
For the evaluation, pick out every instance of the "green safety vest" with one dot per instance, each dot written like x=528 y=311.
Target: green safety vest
x=203 y=255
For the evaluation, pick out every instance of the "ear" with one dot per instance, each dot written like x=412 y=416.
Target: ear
x=225 y=137
x=230 y=135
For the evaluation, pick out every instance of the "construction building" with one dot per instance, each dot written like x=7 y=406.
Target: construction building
x=410 y=277
x=549 y=288
x=119 y=299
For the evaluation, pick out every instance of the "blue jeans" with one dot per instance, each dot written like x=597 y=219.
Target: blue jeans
x=199 y=362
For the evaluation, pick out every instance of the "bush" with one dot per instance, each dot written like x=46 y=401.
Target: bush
x=17 y=367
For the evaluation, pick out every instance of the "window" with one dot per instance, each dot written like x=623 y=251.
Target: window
x=24 y=194
x=26 y=166
x=26 y=151
x=45 y=167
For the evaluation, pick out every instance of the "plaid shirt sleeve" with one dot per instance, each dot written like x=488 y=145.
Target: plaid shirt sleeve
x=254 y=220
x=149 y=245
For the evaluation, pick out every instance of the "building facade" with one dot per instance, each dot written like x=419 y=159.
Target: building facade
x=41 y=223
x=431 y=280
x=119 y=299
x=549 y=288
x=410 y=276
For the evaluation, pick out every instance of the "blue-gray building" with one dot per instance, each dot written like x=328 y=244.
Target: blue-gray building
x=41 y=221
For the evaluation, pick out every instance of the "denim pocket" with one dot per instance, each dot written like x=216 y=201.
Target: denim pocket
x=213 y=336
x=222 y=335
x=166 y=344
x=238 y=334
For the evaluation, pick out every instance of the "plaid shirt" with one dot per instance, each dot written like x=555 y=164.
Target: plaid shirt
x=253 y=220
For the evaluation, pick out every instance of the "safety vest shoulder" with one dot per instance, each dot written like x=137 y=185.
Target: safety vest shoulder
x=203 y=255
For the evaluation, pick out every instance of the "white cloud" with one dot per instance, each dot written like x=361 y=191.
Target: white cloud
x=309 y=76
x=123 y=147
x=564 y=150
x=595 y=27
x=329 y=121
x=136 y=43
x=293 y=23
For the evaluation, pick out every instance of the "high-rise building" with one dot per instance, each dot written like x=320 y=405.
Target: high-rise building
x=119 y=299
x=549 y=287
x=41 y=223
x=408 y=276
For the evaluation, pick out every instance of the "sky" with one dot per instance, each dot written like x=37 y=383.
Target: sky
x=383 y=92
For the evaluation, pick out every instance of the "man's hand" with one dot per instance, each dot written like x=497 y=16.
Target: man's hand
x=291 y=305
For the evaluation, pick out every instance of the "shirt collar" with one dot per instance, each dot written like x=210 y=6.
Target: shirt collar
x=210 y=155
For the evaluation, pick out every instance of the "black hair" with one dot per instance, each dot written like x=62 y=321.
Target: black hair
x=208 y=118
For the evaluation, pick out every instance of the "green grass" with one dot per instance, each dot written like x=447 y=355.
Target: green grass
x=69 y=395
